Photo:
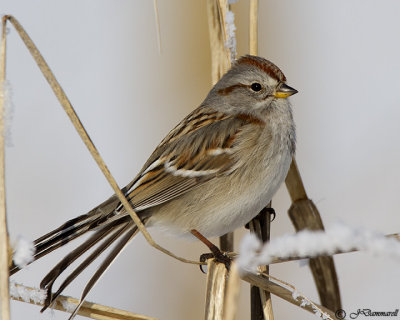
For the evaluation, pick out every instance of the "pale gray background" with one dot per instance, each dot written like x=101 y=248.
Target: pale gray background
x=342 y=56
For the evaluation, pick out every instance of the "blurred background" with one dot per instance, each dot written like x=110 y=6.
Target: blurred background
x=342 y=56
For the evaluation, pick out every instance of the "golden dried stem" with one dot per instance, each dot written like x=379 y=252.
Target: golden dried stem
x=66 y=104
x=232 y=293
x=220 y=62
x=89 y=309
x=222 y=8
x=261 y=303
x=4 y=240
x=253 y=28
x=217 y=276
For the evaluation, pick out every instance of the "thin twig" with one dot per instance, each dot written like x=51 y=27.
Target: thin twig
x=4 y=239
x=305 y=300
x=66 y=104
x=262 y=282
x=157 y=18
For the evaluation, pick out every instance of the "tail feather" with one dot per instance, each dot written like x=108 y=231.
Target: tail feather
x=108 y=234
x=72 y=229
x=109 y=226
x=131 y=232
x=77 y=252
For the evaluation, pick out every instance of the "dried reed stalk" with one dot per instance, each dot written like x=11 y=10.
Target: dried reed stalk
x=261 y=303
x=232 y=293
x=220 y=63
x=217 y=276
x=253 y=28
x=66 y=104
x=89 y=309
x=4 y=240
x=304 y=214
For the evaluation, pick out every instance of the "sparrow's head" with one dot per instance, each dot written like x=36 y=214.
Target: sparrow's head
x=250 y=86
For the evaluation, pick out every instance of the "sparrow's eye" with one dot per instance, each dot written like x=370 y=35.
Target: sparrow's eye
x=256 y=86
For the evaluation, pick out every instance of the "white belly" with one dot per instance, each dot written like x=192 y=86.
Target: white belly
x=214 y=212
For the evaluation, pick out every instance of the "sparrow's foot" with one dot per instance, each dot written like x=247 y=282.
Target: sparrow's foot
x=272 y=213
x=216 y=253
x=219 y=256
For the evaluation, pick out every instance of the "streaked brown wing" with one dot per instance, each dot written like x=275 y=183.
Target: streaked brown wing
x=197 y=150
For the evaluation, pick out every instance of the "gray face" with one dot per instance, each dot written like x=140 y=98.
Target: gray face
x=249 y=87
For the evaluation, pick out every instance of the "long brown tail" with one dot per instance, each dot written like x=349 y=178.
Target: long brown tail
x=122 y=228
x=72 y=229
x=108 y=227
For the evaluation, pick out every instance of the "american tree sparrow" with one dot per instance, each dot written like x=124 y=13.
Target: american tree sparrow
x=212 y=173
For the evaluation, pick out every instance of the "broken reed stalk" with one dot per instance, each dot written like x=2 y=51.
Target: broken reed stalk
x=4 y=239
x=66 y=104
x=89 y=309
x=305 y=215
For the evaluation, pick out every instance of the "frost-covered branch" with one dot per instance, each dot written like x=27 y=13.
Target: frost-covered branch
x=30 y=295
x=66 y=304
x=306 y=243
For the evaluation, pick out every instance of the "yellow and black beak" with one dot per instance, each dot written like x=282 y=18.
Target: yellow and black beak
x=284 y=91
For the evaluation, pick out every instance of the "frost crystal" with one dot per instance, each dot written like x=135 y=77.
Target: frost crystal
x=23 y=252
x=26 y=294
x=230 y=43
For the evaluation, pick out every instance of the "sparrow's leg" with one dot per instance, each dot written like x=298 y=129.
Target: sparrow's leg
x=216 y=253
